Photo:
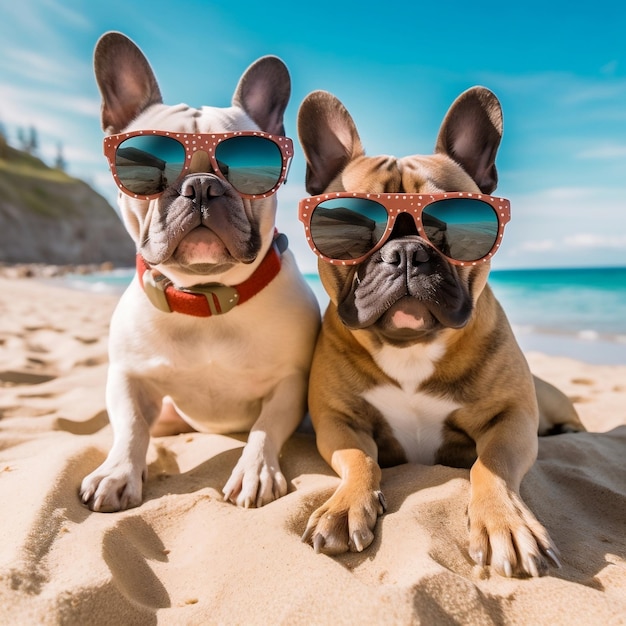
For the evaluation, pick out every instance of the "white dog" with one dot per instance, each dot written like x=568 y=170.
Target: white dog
x=218 y=326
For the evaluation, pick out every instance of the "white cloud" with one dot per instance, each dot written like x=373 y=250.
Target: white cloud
x=604 y=151
x=599 y=208
x=76 y=19
x=610 y=68
x=563 y=226
x=593 y=240
x=575 y=241
x=48 y=110
x=543 y=245
x=565 y=86
x=44 y=69
x=40 y=18
x=83 y=155
x=564 y=194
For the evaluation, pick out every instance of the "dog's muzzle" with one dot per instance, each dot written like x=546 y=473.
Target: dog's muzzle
x=200 y=200
x=406 y=270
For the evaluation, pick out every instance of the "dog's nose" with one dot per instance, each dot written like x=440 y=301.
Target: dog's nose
x=405 y=252
x=202 y=187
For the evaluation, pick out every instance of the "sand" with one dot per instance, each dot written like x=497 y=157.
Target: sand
x=187 y=557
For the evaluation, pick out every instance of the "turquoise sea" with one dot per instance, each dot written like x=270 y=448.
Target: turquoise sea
x=579 y=313
x=568 y=312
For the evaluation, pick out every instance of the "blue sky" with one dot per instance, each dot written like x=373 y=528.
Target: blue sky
x=559 y=72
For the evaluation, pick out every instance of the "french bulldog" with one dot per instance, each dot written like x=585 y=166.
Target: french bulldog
x=216 y=331
x=416 y=361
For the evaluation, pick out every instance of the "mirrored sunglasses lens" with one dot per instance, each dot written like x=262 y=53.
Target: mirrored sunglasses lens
x=252 y=165
x=464 y=229
x=148 y=164
x=347 y=228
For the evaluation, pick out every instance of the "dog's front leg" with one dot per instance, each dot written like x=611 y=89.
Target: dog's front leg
x=257 y=479
x=133 y=404
x=347 y=520
x=503 y=531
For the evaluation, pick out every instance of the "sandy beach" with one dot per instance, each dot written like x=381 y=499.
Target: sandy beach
x=187 y=557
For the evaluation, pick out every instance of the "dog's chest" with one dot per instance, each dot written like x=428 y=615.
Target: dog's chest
x=416 y=418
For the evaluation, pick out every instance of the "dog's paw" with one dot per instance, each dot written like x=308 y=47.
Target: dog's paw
x=113 y=487
x=256 y=479
x=506 y=535
x=345 y=522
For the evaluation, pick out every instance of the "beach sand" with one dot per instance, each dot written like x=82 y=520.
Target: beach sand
x=187 y=557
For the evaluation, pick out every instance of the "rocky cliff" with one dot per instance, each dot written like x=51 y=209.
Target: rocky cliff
x=49 y=217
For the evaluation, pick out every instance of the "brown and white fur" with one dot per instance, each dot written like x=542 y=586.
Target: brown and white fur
x=243 y=371
x=416 y=361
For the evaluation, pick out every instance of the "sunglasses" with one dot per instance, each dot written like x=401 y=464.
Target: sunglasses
x=145 y=162
x=345 y=228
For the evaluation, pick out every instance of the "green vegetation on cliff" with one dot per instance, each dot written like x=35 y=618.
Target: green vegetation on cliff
x=46 y=216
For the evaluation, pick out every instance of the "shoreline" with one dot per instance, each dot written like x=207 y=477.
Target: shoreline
x=586 y=346
x=592 y=349
x=45 y=271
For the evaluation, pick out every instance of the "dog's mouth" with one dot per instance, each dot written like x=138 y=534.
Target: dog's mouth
x=201 y=236
x=202 y=251
x=407 y=315
x=407 y=319
x=405 y=300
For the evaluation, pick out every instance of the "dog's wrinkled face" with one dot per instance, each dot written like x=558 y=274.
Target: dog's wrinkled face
x=406 y=291
x=200 y=226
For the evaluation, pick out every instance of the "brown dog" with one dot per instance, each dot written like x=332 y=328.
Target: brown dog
x=416 y=360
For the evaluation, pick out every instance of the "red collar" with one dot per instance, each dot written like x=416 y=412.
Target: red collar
x=210 y=299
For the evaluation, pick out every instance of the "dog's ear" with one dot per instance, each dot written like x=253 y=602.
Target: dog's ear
x=263 y=93
x=125 y=79
x=329 y=139
x=470 y=135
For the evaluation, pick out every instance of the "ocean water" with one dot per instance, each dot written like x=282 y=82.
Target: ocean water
x=570 y=312
x=586 y=302
x=580 y=313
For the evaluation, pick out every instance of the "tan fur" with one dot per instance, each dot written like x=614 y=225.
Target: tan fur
x=477 y=369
